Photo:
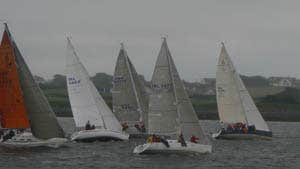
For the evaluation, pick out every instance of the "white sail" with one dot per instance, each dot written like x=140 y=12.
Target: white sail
x=234 y=101
x=253 y=115
x=129 y=95
x=170 y=109
x=163 y=116
x=86 y=102
x=230 y=105
x=189 y=122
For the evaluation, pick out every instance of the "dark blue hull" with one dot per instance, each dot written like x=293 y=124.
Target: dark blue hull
x=242 y=135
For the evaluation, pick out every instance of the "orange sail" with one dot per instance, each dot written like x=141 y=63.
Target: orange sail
x=12 y=108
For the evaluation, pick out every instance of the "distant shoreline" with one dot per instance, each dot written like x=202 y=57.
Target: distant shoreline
x=268 y=116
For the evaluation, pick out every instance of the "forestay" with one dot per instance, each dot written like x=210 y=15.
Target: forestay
x=86 y=102
x=43 y=122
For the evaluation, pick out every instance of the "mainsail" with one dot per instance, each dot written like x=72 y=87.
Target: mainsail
x=86 y=103
x=12 y=108
x=170 y=109
x=129 y=95
x=234 y=101
x=43 y=122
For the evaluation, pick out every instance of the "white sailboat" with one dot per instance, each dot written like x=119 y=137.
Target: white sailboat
x=130 y=100
x=24 y=105
x=238 y=113
x=171 y=115
x=93 y=118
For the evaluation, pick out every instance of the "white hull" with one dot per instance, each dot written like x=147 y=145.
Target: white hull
x=98 y=134
x=175 y=147
x=27 y=140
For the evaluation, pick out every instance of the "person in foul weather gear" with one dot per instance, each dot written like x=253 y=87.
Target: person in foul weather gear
x=194 y=139
x=153 y=139
x=156 y=138
x=124 y=126
x=8 y=136
x=150 y=139
x=88 y=126
x=165 y=142
x=181 y=140
x=140 y=127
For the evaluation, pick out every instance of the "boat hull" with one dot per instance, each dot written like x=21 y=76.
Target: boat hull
x=138 y=136
x=98 y=135
x=175 y=147
x=26 y=139
x=246 y=136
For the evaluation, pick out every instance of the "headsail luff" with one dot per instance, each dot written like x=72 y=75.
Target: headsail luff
x=244 y=110
x=129 y=96
x=86 y=102
x=12 y=108
x=43 y=122
x=229 y=101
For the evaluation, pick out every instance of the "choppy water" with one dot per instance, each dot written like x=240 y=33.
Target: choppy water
x=283 y=151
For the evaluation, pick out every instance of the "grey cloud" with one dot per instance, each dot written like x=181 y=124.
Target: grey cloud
x=262 y=36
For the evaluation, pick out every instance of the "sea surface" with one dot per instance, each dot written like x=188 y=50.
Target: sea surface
x=282 y=151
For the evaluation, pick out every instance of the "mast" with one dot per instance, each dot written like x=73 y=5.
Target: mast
x=132 y=82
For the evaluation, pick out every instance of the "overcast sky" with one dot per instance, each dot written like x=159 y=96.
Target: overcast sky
x=262 y=36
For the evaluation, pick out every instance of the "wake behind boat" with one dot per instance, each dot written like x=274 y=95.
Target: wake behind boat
x=238 y=113
x=93 y=118
x=22 y=103
x=173 y=123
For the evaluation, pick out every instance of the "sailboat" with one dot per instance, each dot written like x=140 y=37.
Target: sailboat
x=23 y=104
x=130 y=100
x=93 y=118
x=238 y=113
x=172 y=120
